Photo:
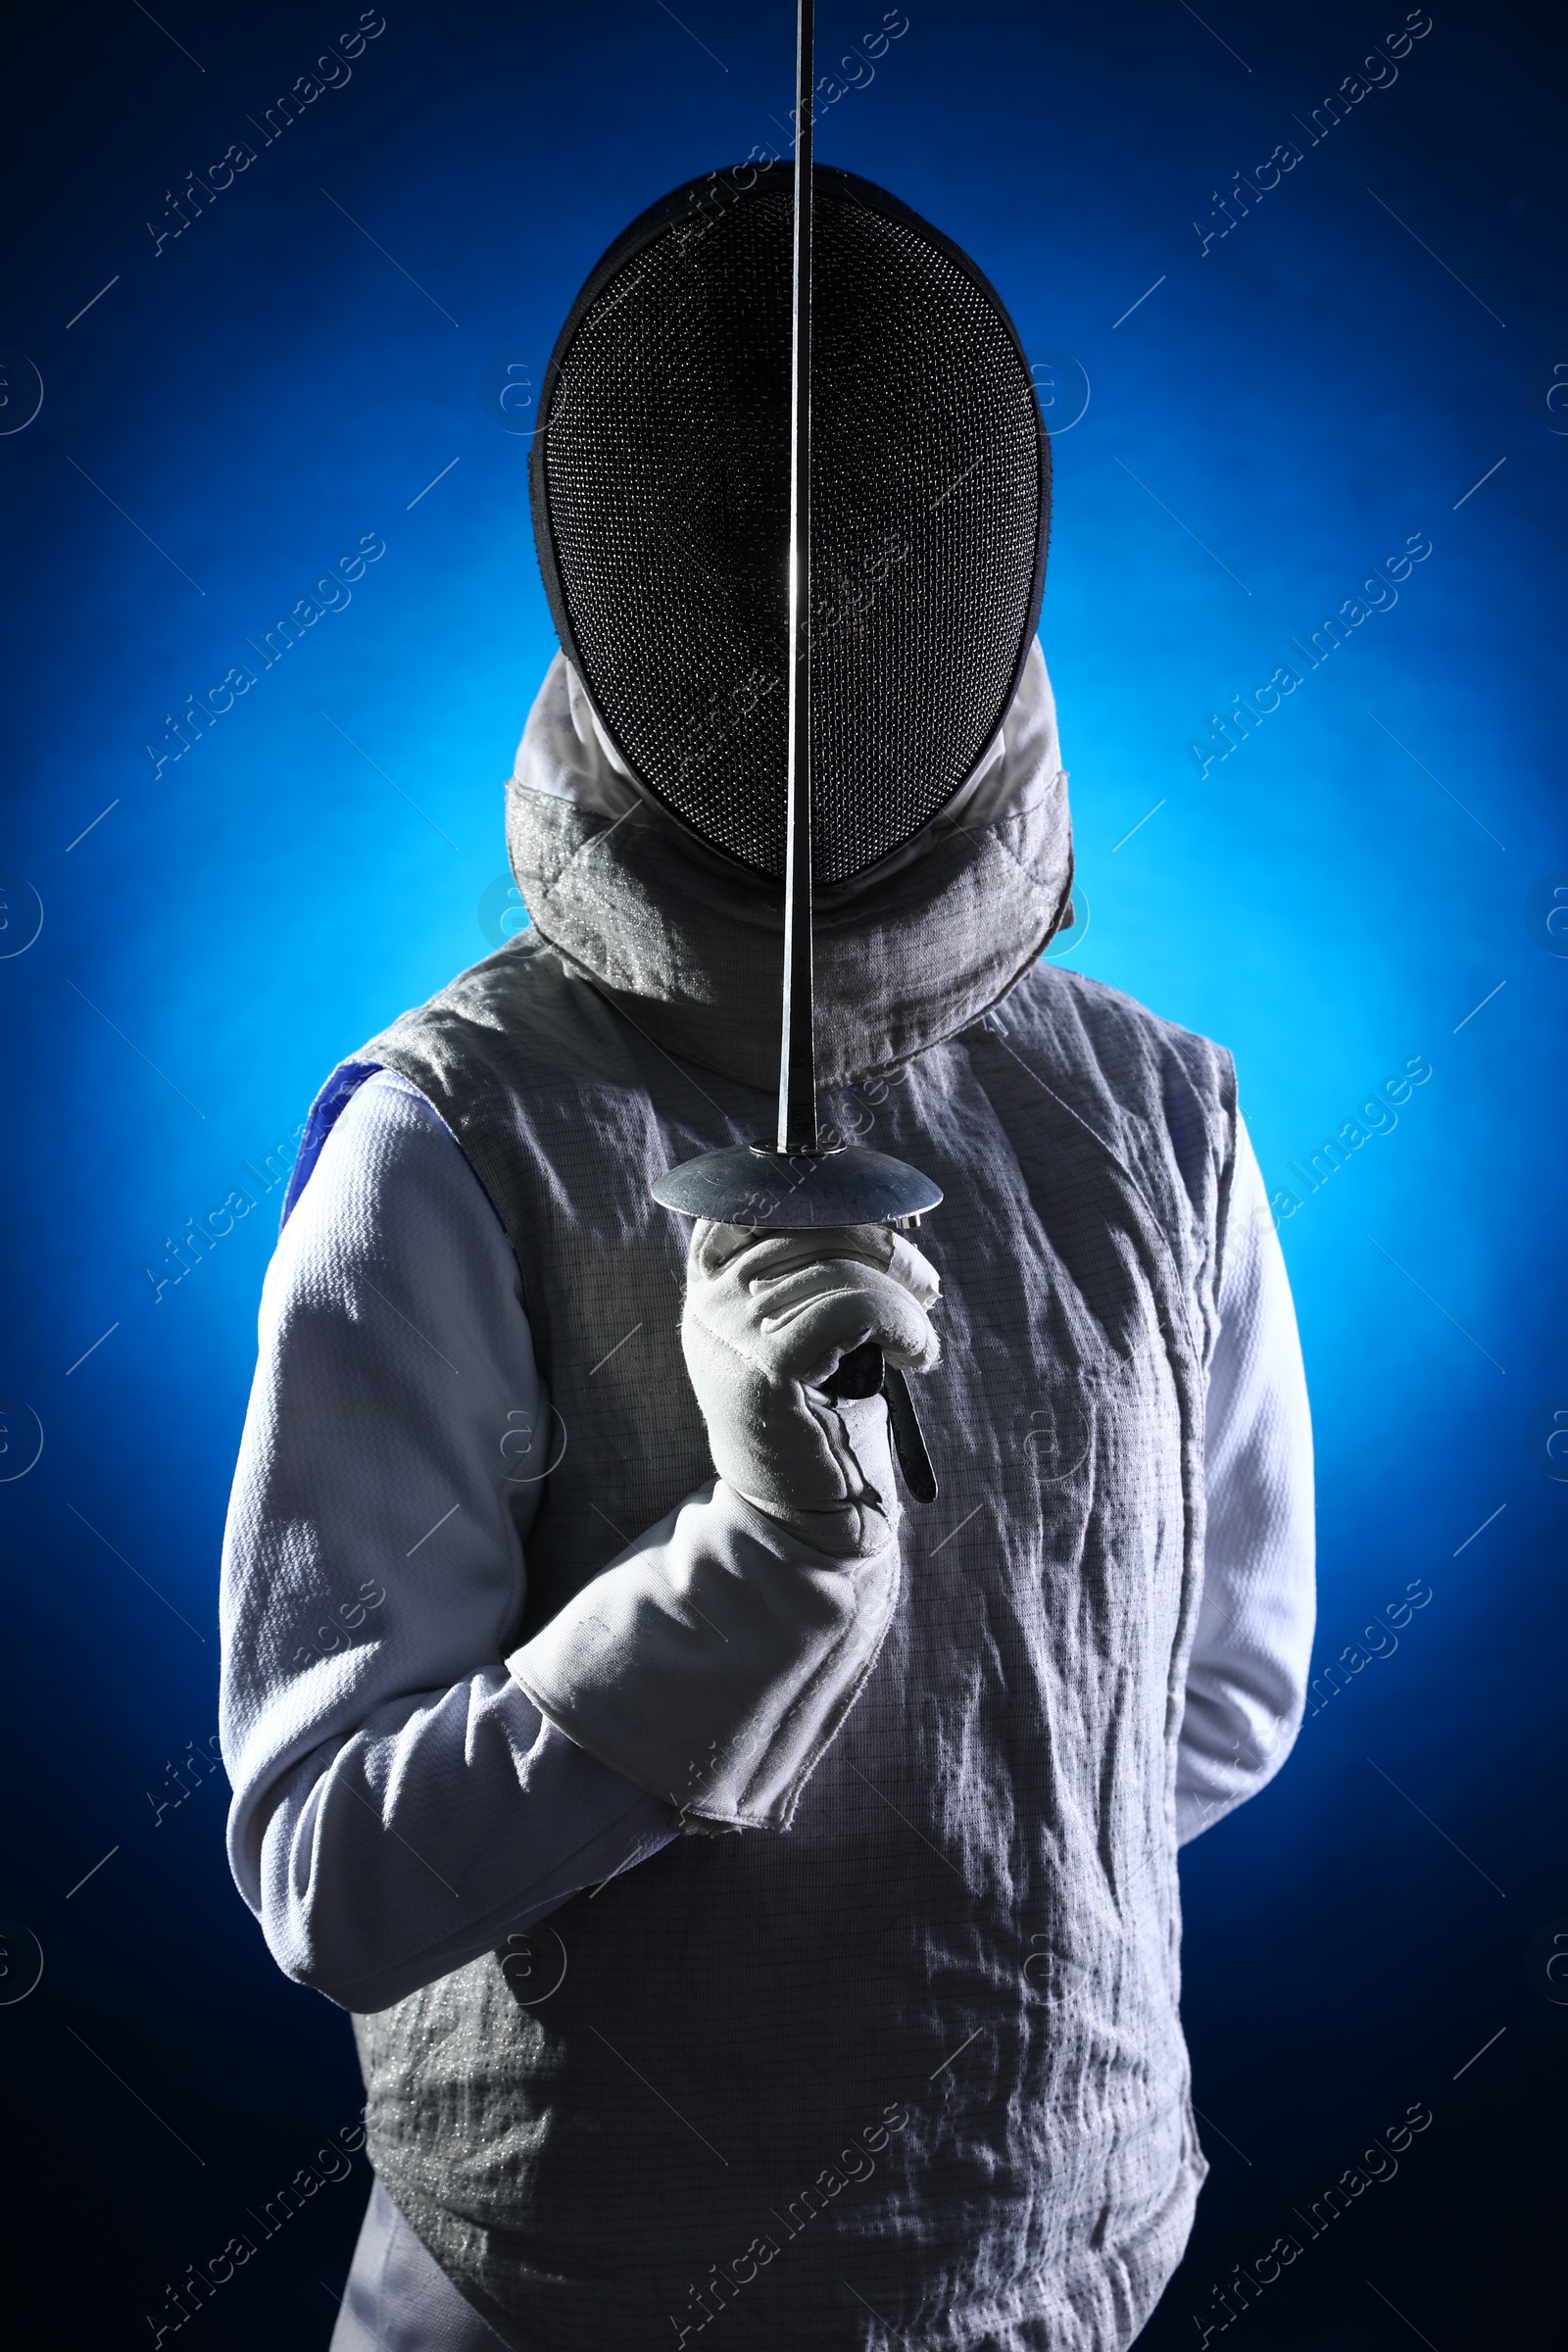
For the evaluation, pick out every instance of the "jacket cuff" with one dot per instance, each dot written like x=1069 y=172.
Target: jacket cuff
x=713 y=1663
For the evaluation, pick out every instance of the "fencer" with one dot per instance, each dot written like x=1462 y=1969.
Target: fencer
x=756 y=1893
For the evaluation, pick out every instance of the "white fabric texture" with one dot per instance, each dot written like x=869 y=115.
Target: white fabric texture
x=1247 y=1675
x=400 y=1805
x=714 y=1660
x=399 y=2298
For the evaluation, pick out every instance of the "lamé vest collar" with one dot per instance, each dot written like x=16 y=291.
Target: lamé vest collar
x=691 y=951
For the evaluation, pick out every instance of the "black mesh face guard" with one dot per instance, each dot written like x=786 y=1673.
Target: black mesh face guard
x=660 y=502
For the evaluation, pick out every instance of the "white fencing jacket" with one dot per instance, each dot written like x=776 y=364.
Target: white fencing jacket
x=401 y=1806
x=392 y=1823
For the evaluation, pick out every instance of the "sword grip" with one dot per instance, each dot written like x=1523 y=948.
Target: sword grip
x=865 y=1372
x=909 y=1438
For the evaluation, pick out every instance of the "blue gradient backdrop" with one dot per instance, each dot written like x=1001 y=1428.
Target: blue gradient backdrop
x=237 y=412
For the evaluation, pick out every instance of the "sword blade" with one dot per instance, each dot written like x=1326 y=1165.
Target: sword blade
x=797 y=1093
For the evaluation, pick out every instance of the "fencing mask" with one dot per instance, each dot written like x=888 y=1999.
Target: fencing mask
x=661 y=504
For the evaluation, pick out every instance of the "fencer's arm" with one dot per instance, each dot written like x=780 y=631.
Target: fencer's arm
x=1247 y=1679
x=400 y=1806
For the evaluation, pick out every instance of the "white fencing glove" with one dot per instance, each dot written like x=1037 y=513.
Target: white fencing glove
x=714 y=1660
x=770 y=1317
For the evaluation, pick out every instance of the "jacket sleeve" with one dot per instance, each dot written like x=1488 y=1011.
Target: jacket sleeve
x=400 y=1805
x=1247 y=1676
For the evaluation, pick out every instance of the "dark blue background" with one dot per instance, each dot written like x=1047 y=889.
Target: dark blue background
x=1312 y=390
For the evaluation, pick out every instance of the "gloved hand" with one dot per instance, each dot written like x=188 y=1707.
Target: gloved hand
x=768 y=1318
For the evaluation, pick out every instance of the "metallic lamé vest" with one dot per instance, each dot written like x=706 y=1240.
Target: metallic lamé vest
x=912 y=2072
